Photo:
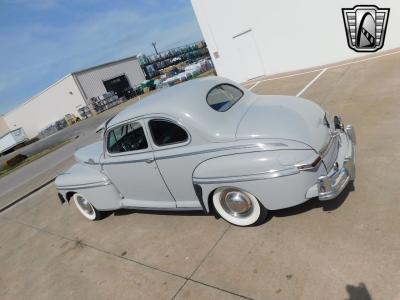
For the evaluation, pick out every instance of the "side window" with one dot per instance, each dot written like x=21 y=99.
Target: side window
x=166 y=133
x=127 y=137
x=223 y=96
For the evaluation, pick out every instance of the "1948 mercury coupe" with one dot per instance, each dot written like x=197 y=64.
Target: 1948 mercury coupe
x=212 y=145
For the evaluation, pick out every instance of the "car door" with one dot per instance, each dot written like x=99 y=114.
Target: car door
x=129 y=163
x=171 y=144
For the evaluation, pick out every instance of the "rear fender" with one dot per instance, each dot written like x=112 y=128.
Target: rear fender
x=239 y=170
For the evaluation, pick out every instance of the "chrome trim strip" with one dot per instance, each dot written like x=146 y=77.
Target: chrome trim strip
x=84 y=186
x=325 y=149
x=251 y=177
x=126 y=161
x=332 y=184
x=261 y=146
x=308 y=166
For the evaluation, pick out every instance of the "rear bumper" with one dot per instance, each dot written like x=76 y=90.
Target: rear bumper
x=344 y=171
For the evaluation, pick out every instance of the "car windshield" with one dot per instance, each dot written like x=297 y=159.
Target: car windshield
x=222 y=97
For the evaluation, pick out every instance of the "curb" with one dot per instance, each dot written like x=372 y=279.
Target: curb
x=26 y=195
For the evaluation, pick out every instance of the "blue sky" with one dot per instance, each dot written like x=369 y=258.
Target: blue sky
x=44 y=40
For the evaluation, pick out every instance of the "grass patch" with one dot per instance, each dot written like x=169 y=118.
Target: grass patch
x=7 y=170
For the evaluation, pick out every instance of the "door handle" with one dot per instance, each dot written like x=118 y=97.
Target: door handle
x=149 y=160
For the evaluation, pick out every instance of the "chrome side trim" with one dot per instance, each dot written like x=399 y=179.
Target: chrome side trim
x=84 y=186
x=261 y=146
x=260 y=176
x=126 y=161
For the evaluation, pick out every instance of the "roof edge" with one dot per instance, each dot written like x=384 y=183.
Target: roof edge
x=37 y=95
x=104 y=64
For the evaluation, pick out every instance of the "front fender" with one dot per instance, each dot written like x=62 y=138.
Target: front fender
x=80 y=175
x=91 y=183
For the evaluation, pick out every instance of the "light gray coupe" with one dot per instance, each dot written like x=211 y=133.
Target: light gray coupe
x=211 y=145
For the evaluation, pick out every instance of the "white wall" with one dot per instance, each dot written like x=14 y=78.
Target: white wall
x=52 y=104
x=288 y=35
x=91 y=80
x=3 y=126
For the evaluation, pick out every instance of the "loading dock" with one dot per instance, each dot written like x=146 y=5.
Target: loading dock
x=117 y=85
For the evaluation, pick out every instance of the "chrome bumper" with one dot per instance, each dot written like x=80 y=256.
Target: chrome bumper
x=331 y=185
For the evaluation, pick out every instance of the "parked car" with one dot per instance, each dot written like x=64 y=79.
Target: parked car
x=212 y=145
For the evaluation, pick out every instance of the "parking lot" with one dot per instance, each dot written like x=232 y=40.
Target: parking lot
x=347 y=248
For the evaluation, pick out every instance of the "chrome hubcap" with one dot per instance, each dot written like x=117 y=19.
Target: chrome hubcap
x=85 y=205
x=236 y=203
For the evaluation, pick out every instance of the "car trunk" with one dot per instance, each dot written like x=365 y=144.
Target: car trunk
x=285 y=117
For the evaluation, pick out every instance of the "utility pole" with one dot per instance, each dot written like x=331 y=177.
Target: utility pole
x=154 y=45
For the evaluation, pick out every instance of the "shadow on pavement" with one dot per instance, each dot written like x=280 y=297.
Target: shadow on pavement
x=123 y=212
x=302 y=208
x=314 y=203
x=359 y=292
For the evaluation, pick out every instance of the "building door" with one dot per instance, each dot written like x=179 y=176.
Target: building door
x=250 y=60
x=118 y=85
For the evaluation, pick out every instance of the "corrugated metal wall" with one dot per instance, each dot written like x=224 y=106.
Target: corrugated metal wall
x=91 y=80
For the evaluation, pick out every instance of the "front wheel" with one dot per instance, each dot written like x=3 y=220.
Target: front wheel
x=238 y=207
x=86 y=208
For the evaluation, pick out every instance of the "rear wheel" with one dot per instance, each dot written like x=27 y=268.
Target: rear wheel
x=86 y=208
x=238 y=207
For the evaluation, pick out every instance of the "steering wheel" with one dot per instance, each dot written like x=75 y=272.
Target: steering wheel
x=139 y=142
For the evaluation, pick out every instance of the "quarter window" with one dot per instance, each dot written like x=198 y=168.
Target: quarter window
x=222 y=97
x=166 y=133
x=125 y=138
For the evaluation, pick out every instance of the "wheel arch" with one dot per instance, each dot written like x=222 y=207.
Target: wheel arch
x=69 y=195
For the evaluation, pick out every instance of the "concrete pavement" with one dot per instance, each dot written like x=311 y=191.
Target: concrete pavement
x=347 y=248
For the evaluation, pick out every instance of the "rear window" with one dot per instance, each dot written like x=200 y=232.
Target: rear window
x=166 y=133
x=222 y=97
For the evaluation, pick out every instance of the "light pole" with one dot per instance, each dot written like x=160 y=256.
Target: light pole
x=154 y=45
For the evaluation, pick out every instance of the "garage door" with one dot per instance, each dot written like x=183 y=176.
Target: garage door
x=118 y=85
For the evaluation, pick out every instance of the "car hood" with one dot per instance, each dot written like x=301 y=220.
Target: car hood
x=90 y=154
x=285 y=117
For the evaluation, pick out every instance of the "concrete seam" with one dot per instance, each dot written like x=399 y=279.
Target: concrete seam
x=220 y=289
x=211 y=249
x=44 y=231
x=202 y=261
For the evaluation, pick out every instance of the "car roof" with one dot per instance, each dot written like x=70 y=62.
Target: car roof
x=187 y=103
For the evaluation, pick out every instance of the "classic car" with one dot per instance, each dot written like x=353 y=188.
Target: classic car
x=209 y=144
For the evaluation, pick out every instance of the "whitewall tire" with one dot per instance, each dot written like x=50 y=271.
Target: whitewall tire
x=238 y=207
x=86 y=208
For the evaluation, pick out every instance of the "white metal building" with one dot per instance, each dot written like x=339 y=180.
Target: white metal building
x=72 y=92
x=3 y=126
x=248 y=39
